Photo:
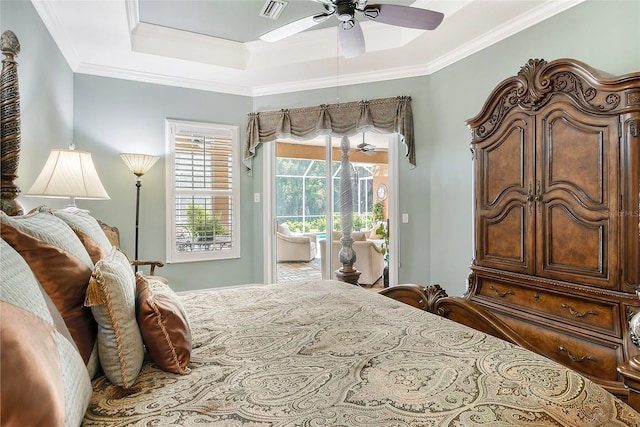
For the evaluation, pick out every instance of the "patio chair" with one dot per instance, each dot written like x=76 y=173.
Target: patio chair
x=291 y=247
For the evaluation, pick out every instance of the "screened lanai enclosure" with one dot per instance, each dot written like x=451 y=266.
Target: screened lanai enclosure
x=302 y=197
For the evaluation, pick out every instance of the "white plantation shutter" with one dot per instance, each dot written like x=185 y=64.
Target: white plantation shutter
x=205 y=188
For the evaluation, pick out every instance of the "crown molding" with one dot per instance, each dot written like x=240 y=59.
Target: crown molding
x=253 y=56
x=162 y=79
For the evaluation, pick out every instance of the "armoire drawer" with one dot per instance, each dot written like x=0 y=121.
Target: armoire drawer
x=596 y=358
x=597 y=315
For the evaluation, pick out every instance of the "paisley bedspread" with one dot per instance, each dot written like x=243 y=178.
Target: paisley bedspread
x=326 y=353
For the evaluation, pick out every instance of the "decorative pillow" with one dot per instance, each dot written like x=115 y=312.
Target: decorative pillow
x=164 y=325
x=284 y=229
x=48 y=245
x=373 y=234
x=111 y=296
x=43 y=225
x=336 y=235
x=359 y=236
x=44 y=379
x=88 y=231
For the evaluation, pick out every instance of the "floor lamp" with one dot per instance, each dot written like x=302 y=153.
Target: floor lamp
x=139 y=165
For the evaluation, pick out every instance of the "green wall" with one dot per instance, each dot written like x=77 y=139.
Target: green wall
x=46 y=92
x=115 y=116
x=109 y=116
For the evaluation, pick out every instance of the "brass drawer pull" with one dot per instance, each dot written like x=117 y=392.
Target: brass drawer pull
x=574 y=358
x=501 y=294
x=576 y=314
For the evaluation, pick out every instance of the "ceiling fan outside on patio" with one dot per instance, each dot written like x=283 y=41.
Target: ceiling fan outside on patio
x=349 y=31
x=365 y=148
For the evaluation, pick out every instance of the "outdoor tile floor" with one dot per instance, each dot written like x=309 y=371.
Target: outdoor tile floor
x=290 y=271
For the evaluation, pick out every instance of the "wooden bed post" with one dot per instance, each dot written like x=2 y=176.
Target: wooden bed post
x=347 y=255
x=10 y=125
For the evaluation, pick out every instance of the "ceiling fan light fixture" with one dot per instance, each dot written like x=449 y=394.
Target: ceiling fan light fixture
x=351 y=38
x=273 y=8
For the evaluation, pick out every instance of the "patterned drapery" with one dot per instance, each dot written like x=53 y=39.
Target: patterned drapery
x=385 y=115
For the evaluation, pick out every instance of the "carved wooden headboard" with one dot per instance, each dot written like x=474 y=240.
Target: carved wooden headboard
x=10 y=124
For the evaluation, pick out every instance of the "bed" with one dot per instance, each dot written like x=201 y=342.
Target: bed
x=327 y=353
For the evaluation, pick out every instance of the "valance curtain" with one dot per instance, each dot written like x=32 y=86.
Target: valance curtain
x=385 y=115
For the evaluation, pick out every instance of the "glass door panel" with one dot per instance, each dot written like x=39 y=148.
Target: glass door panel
x=307 y=206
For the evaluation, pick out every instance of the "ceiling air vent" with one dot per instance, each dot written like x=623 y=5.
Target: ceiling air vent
x=273 y=8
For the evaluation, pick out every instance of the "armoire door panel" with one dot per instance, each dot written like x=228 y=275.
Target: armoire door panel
x=578 y=250
x=504 y=164
x=504 y=201
x=575 y=155
x=576 y=191
x=511 y=252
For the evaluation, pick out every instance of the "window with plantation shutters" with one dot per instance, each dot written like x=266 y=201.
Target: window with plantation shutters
x=203 y=191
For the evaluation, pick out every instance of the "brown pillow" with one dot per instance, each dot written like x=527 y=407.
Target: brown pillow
x=65 y=278
x=36 y=395
x=164 y=325
x=95 y=251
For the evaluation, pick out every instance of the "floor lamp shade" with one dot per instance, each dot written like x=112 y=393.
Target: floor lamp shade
x=139 y=163
x=69 y=173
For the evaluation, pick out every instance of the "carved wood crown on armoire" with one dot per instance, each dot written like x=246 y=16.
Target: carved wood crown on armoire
x=556 y=154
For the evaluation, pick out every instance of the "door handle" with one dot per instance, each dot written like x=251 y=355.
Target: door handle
x=538 y=196
x=529 y=198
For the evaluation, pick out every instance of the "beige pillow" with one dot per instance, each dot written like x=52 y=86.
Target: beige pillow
x=44 y=379
x=336 y=235
x=359 y=236
x=284 y=229
x=89 y=232
x=111 y=296
x=164 y=325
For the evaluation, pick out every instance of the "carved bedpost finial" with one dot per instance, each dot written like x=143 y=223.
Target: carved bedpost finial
x=10 y=128
x=434 y=293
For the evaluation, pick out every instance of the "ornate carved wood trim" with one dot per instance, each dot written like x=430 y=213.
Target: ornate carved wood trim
x=539 y=81
x=10 y=124
x=420 y=297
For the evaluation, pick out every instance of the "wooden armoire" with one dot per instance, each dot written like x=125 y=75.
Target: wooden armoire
x=556 y=152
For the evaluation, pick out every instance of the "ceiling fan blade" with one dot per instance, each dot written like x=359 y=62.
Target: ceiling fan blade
x=294 y=27
x=363 y=146
x=351 y=38
x=404 y=16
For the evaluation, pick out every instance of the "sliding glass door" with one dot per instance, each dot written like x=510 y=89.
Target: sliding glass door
x=306 y=207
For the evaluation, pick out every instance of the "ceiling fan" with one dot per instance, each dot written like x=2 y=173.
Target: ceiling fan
x=365 y=147
x=349 y=31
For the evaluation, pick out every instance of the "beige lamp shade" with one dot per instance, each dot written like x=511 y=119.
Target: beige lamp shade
x=69 y=173
x=139 y=163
